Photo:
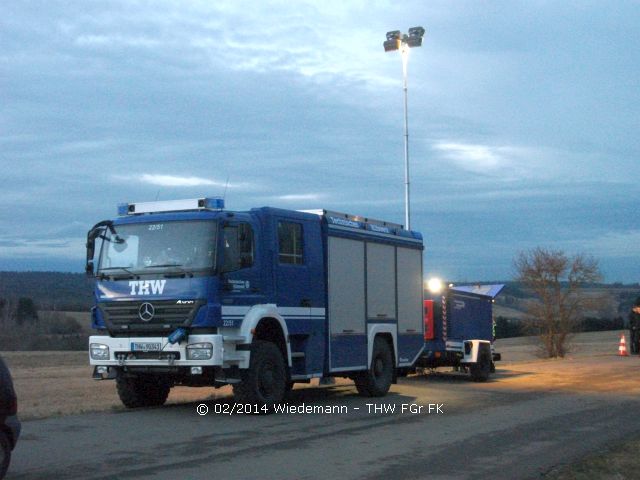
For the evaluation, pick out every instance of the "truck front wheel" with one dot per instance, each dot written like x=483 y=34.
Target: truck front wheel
x=376 y=381
x=142 y=391
x=264 y=383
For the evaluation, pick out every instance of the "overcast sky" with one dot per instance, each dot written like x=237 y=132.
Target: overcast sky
x=524 y=121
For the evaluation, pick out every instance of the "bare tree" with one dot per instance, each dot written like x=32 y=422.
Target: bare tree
x=7 y=311
x=557 y=281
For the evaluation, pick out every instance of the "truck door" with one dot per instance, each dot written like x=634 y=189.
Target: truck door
x=292 y=269
x=241 y=272
x=299 y=289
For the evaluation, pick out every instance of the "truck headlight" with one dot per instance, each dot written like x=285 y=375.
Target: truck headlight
x=98 y=351
x=199 y=351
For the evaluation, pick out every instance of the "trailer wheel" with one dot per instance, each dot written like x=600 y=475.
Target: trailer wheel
x=264 y=383
x=135 y=392
x=376 y=381
x=5 y=453
x=481 y=370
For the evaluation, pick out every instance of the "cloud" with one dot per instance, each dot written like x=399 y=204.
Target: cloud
x=300 y=197
x=624 y=244
x=117 y=40
x=307 y=40
x=476 y=157
x=517 y=162
x=84 y=146
x=68 y=248
x=170 y=180
x=175 y=181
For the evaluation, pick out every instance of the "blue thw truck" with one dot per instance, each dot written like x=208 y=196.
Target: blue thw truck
x=460 y=330
x=188 y=293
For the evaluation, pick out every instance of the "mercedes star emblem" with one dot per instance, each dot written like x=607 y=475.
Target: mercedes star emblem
x=146 y=312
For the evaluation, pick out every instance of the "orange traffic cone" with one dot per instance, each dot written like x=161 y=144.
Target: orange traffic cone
x=622 y=349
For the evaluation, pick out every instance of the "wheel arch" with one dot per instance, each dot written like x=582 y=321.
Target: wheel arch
x=388 y=333
x=263 y=322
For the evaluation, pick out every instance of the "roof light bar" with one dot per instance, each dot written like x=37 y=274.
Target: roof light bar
x=211 y=203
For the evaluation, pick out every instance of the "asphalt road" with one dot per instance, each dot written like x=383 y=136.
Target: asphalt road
x=528 y=419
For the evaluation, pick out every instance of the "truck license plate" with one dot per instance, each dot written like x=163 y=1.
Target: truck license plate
x=145 y=347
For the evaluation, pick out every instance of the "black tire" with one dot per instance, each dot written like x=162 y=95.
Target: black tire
x=5 y=454
x=265 y=382
x=481 y=370
x=142 y=391
x=288 y=388
x=376 y=381
x=361 y=384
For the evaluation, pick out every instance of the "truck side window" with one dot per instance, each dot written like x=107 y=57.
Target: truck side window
x=290 y=243
x=238 y=247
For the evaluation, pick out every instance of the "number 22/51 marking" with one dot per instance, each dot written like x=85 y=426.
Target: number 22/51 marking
x=156 y=227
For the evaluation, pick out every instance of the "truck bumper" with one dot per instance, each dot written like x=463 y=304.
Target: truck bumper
x=158 y=352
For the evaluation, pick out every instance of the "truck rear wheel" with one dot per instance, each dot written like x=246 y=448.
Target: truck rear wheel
x=376 y=381
x=481 y=370
x=135 y=392
x=264 y=383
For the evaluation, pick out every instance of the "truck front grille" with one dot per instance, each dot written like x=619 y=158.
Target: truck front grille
x=133 y=316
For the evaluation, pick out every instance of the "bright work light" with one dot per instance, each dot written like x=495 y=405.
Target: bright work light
x=435 y=285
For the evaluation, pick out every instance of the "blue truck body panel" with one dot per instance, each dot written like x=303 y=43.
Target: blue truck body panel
x=469 y=317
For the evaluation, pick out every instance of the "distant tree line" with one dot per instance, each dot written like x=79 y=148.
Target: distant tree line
x=58 y=291
x=509 y=327
x=24 y=327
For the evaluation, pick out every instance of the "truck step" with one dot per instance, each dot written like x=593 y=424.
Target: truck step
x=234 y=338
x=233 y=358
x=227 y=380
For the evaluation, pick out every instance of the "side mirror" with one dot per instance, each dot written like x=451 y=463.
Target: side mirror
x=96 y=231
x=91 y=247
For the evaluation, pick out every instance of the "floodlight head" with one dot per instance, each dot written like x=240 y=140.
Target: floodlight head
x=391 y=45
x=394 y=35
x=416 y=32
x=414 y=41
x=415 y=37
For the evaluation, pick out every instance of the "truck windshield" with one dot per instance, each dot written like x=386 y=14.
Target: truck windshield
x=182 y=246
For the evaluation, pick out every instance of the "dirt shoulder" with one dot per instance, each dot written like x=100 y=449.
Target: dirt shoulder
x=60 y=383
